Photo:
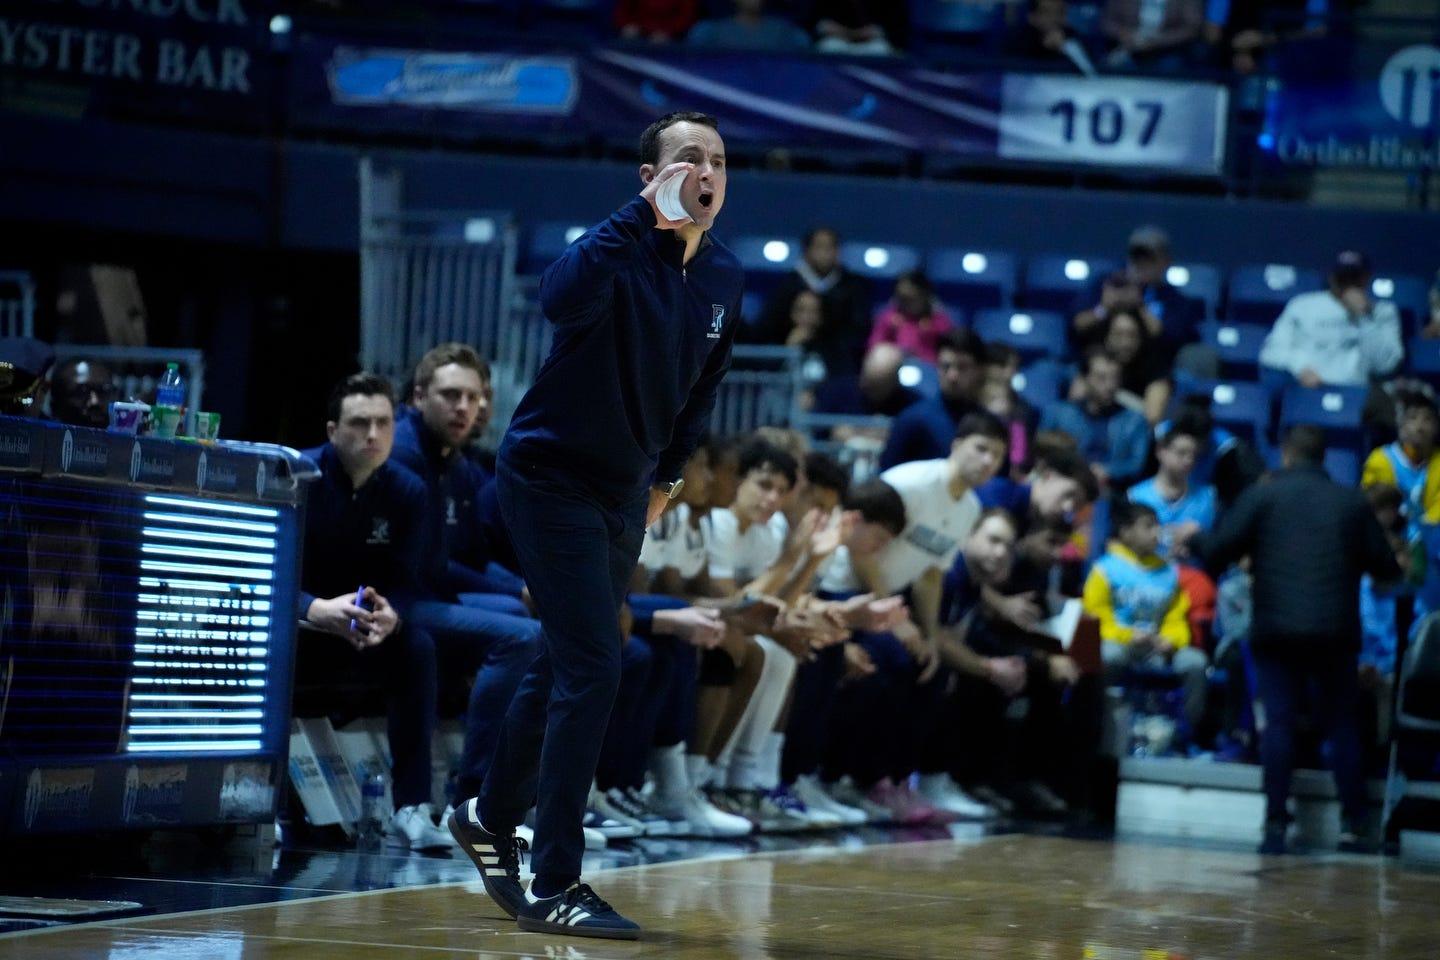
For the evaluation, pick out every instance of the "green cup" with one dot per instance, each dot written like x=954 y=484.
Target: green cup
x=165 y=420
x=205 y=426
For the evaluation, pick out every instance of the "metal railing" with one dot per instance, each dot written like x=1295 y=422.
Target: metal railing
x=17 y=304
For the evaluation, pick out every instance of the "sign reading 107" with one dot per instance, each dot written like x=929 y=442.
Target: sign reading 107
x=1104 y=122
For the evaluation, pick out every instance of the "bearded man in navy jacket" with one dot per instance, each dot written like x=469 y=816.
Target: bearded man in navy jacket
x=645 y=307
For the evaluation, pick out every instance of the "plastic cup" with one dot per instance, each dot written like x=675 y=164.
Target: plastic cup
x=127 y=416
x=165 y=420
x=205 y=425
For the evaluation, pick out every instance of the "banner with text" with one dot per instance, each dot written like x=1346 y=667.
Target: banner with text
x=137 y=59
x=798 y=102
x=1388 y=119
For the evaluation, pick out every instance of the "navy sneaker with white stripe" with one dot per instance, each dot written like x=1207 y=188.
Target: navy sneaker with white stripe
x=578 y=912
x=496 y=857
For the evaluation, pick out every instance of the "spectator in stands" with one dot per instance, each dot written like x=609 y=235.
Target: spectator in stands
x=914 y=320
x=364 y=527
x=749 y=28
x=1144 y=376
x=1246 y=31
x=861 y=27
x=1310 y=541
x=1153 y=35
x=807 y=316
x=1183 y=507
x=1143 y=288
x=1143 y=613
x=1412 y=462
x=1379 y=630
x=1115 y=441
x=24 y=361
x=1224 y=461
x=925 y=430
x=999 y=398
x=1431 y=330
x=1338 y=336
x=472 y=607
x=658 y=21
x=81 y=392
x=845 y=302
x=1045 y=34
x=876 y=392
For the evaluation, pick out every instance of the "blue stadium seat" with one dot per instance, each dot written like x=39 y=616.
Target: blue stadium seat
x=1035 y=333
x=1258 y=293
x=1423 y=357
x=1054 y=282
x=547 y=241
x=1337 y=410
x=879 y=261
x=1411 y=296
x=752 y=306
x=1343 y=466
x=973 y=279
x=1042 y=383
x=1243 y=408
x=1238 y=345
x=921 y=377
x=1200 y=281
x=766 y=259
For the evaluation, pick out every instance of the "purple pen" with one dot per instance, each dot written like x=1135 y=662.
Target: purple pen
x=359 y=599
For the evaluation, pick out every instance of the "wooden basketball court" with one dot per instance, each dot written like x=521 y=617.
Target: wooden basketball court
x=1009 y=896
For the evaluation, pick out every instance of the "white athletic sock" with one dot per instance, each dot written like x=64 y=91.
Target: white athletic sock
x=698 y=770
x=769 y=765
x=758 y=721
x=667 y=766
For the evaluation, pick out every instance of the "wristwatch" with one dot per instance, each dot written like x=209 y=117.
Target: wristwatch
x=671 y=489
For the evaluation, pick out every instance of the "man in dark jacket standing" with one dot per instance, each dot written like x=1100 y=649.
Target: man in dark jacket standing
x=644 y=307
x=1310 y=541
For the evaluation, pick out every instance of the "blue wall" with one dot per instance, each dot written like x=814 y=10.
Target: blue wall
x=203 y=186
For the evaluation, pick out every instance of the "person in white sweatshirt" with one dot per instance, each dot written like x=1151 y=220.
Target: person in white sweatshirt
x=1337 y=337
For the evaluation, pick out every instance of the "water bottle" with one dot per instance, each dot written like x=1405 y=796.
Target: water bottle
x=171 y=391
x=370 y=831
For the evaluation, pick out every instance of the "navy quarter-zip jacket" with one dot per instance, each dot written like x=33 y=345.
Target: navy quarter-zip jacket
x=370 y=537
x=642 y=341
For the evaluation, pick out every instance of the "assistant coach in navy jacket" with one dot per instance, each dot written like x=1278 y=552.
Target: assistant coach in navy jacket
x=645 y=309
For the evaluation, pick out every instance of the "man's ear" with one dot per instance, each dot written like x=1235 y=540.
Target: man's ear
x=647 y=172
x=330 y=428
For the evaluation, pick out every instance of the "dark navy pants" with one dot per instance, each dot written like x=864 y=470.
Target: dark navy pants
x=577 y=556
x=1330 y=677
x=499 y=647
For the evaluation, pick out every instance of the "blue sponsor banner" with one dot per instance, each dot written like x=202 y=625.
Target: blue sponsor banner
x=796 y=101
x=1383 y=115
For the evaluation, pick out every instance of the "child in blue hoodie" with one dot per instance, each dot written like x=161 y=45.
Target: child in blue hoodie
x=1143 y=613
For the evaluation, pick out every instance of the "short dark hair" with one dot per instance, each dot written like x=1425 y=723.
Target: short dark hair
x=1087 y=362
x=814 y=232
x=998 y=513
x=1408 y=400
x=359 y=385
x=722 y=446
x=1384 y=496
x=446 y=354
x=963 y=341
x=918 y=278
x=823 y=470
x=1070 y=465
x=1305 y=443
x=650 y=139
x=758 y=453
x=984 y=423
x=1194 y=418
x=999 y=354
x=878 y=503
x=1183 y=426
x=1125 y=513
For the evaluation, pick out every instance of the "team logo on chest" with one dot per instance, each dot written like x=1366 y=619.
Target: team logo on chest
x=717 y=320
x=379 y=531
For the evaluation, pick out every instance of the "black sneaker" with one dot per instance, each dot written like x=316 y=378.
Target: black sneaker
x=1274 y=843
x=496 y=857
x=578 y=912
x=1354 y=838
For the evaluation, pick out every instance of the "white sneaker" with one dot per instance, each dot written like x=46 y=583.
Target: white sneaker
x=605 y=805
x=661 y=822
x=705 y=819
x=594 y=839
x=943 y=793
x=814 y=797
x=845 y=793
x=413 y=827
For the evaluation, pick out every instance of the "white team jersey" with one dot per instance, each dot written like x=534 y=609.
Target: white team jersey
x=674 y=543
x=936 y=524
x=741 y=557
